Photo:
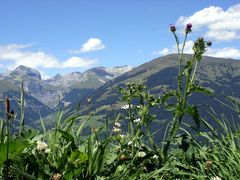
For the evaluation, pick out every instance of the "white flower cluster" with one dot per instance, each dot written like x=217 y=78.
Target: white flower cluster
x=116 y=127
x=141 y=154
x=137 y=120
x=155 y=156
x=126 y=106
x=42 y=146
x=216 y=178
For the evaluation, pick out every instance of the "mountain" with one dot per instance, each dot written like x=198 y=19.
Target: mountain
x=101 y=84
x=32 y=106
x=218 y=74
x=92 y=78
x=24 y=72
x=44 y=96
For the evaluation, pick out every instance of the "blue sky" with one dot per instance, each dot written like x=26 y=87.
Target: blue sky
x=56 y=36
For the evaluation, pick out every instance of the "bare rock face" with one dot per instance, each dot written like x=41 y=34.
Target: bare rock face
x=50 y=91
x=26 y=72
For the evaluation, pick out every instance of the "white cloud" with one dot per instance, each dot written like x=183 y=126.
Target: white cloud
x=222 y=25
x=92 y=44
x=173 y=49
x=13 y=55
x=163 y=52
x=222 y=35
x=44 y=75
x=226 y=52
x=74 y=62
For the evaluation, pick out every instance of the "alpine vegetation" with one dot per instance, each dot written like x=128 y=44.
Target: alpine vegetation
x=195 y=145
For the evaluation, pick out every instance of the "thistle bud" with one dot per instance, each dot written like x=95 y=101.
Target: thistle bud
x=172 y=27
x=209 y=43
x=188 y=28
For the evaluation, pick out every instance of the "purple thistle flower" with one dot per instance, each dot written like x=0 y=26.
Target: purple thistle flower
x=188 y=27
x=209 y=43
x=172 y=27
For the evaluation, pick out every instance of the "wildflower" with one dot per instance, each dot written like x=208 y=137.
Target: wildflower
x=199 y=46
x=41 y=146
x=117 y=124
x=216 y=178
x=89 y=100
x=188 y=28
x=172 y=27
x=56 y=176
x=125 y=106
x=115 y=129
x=155 y=156
x=94 y=130
x=117 y=147
x=47 y=150
x=137 y=120
x=129 y=143
x=141 y=154
x=208 y=165
x=209 y=43
x=122 y=136
x=123 y=157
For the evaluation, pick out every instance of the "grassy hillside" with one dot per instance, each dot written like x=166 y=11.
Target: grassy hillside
x=220 y=75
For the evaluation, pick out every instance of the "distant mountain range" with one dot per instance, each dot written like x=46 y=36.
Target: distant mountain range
x=44 y=96
x=66 y=91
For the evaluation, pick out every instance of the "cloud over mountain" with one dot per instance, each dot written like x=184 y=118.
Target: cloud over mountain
x=13 y=55
x=220 y=24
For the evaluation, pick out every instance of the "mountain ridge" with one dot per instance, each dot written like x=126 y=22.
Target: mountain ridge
x=101 y=84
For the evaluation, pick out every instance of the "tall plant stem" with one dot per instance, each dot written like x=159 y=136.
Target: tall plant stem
x=7 y=111
x=22 y=102
x=180 y=98
x=194 y=72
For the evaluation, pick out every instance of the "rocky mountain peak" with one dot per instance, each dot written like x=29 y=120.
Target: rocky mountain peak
x=26 y=72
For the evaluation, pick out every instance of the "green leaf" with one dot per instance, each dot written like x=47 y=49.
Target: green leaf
x=78 y=157
x=15 y=147
x=170 y=107
x=193 y=111
x=200 y=89
x=168 y=95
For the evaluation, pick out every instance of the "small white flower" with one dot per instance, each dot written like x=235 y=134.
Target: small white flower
x=122 y=136
x=47 y=150
x=117 y=147
x=129 y=143
x=155 y=156
x=216 y=178
x=41 y=145
x=137 y=120
x=115 y=129
x=117 y=124
x=141 y=154
x=126 y=106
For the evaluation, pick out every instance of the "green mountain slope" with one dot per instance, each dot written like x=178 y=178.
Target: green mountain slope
x=220 y=75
